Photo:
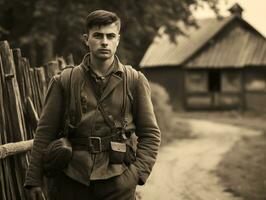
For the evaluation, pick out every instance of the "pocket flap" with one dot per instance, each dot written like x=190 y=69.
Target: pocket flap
x=117 y=146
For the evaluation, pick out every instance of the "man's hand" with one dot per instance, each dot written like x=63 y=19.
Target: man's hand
x=35 y=193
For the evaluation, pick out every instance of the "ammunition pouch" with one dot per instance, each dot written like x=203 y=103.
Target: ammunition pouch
x=56 y=156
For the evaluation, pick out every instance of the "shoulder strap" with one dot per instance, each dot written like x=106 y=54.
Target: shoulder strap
x=66 y=77
x=131 y=86
x=132 y=78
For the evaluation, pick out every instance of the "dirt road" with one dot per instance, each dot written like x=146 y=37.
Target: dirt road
x=184 y=170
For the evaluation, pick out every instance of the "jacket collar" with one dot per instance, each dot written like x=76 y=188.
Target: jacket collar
x=118 y=66
x=115 y=79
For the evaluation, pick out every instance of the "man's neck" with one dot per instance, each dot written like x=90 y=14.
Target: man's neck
x=99 y=66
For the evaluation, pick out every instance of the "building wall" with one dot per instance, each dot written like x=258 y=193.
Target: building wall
x=171 y=78
x=256 y=102
x=223 y=91
x=189 y=89
x=255 y=87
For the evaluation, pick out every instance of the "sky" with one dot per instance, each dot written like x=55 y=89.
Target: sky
x=254 y=12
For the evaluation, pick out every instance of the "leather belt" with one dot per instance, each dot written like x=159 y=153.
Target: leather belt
x=94 y=144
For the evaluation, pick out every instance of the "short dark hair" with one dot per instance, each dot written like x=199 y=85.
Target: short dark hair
x=101 y=18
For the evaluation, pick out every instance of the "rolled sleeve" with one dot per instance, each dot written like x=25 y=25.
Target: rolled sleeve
x=147 y=130
x=48 y=127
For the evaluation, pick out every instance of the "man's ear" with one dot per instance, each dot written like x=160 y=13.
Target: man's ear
x=118 y=39
x=85 y=38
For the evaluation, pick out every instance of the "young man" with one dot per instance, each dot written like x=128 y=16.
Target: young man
x=112 y=105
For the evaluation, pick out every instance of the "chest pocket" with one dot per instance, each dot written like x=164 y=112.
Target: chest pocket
x=84 y=102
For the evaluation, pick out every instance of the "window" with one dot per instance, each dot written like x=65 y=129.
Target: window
x=231 y=81
x=196 y=81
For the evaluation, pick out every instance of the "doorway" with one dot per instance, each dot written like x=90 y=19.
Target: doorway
x=214 y=81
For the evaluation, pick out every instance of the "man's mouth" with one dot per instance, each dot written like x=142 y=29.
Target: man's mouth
x=104 y=51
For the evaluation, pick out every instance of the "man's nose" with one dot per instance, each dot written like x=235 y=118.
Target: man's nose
x=104 y=41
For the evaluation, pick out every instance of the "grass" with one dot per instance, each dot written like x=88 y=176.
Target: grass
x=243 y=169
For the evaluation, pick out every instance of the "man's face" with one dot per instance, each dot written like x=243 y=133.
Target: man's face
x=103 y=41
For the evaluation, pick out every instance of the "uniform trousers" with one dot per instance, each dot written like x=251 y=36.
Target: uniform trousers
x=120 y=187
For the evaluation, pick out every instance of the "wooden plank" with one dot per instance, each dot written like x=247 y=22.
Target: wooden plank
x=2 y=181
x=39 y=93
x=40 y=75
x=15 y=124
x=19 y=74
x=3 y=138
x=19 y=174
x=4 y=111
x=22 y=91
x=26 y=75
x=7 y=189
x=33 y=115
x=13 y=94
x=15 y=148
x=35 y=99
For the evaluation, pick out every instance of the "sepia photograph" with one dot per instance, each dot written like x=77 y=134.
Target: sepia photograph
x=133 y=100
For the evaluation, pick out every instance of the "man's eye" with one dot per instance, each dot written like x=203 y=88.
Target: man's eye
x=97 y=36
x=111 y=36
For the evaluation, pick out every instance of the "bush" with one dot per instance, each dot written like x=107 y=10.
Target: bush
x=170 y=126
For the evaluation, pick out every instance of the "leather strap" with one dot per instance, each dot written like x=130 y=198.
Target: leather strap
x=98 y=144
x=108 y=118
x=66 y=77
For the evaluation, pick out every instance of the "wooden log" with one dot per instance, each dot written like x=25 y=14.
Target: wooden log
x=20 y=176
x=3 y=110
x=17 y=123
x=29 y=92
x=33 y=115
x=19 y=74
x=2 y=179
x=3 y=138
x=39 y=89
x=15 y=148
x=22 y=90
x=40 y=75
x=14 y=117
x=6 y=179
x=26 y=75
x=35 y=98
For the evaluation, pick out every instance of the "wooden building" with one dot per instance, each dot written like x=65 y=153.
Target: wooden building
x=219 y=65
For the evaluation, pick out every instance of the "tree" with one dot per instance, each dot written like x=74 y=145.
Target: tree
x=45 y=28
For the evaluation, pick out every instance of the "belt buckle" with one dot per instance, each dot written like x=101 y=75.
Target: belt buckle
x=96 y=144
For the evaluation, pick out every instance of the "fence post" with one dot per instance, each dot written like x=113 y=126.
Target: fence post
x=15 y=123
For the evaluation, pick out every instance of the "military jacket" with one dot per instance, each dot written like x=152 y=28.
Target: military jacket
x=84 y=165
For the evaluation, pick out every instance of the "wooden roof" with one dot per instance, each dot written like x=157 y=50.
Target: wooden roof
x=219 y=43
x=234 y=47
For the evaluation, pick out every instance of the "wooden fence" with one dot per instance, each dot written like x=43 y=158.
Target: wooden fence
x=22 y=91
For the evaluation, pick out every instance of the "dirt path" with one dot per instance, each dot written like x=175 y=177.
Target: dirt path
x=184 y=170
